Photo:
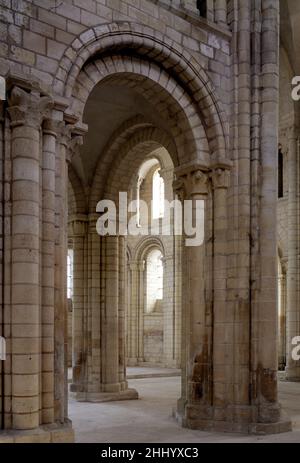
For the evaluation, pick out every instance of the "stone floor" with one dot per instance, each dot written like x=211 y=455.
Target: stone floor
x=149 y=419
x=146 y=372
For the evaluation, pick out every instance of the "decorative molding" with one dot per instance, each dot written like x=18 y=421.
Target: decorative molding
x=64 y=133
x=28 y=108
x=220 y=178
x=51 y=127
x=192 y=180
x=77 y=226
x=74 y=147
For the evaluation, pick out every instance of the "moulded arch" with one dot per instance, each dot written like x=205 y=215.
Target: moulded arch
x=124 y=142
x=156 y=48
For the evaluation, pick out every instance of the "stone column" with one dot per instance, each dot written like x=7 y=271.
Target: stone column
x=2 y=320
x=104 y=314
x=132 y=315
x=195 y=404
x=78 y=230
x=140 y=308
x=178 y=299
x=282 y=317
x=48 y=245
x=61 y=250
x=30 y=150
x=221 y=12
x=110 y=329
x=190 y=5
x=26 y=112
x=265 y=409
x=112 y=322
x=170 y=309
x=113 y=385
x=223 y=322
x=293 y=308
x=121 y=313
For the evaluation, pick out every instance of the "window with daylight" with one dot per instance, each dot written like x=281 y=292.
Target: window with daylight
x=280 y=174
x=70 y=274
x=158 y=196
x=202 y=7
x=155 y=276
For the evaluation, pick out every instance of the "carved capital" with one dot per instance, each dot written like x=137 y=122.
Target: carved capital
x=220 y=178
x=74 y=146
x=69 y=137
x=28 y=108
x=179 y=188
x=51 y=127
x=78 y=226
x=64 y=133
x=191 y=182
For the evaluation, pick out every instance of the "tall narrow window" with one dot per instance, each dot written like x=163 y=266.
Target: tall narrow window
x=158 y=196
x=155 y=275
x=280 y=174
x=202 y=7
x=70 y=274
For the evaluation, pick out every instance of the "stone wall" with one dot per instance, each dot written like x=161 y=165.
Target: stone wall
x=160 y=342
x=36 y=34
x=209 y=93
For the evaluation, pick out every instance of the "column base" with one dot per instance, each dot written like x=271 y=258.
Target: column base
x=99 y=397
x=292 y=374
x=55 y=434
x=132 y=362
x=210 y=420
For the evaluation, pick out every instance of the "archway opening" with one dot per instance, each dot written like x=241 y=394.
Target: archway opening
x=153 y=313
x=131 y=148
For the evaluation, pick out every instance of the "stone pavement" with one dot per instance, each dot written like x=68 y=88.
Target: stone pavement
x=150 y=418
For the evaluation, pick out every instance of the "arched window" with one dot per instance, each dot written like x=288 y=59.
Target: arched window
x=158 y=196
x=280 y=173
x=70 y=274
x=154 y=278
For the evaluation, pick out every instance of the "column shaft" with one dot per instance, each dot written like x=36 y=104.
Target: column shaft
x=26 y=115
x=223 y=326
x=48 y=243
x=293 y=310
x=110 y=324
x=60 y=331
x=78 y=311
x=121 y=313
x=221 y=12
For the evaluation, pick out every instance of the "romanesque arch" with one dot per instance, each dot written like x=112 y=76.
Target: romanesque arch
x=155 y=48
x=222 y=161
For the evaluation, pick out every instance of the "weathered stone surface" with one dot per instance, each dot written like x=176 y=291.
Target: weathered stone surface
x=102 y=95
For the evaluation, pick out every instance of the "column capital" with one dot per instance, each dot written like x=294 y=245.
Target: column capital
x=51 y=127
x=71 y=137
x=167 y=173
x=64 y=133
x=28 y=108
x=78 y=225
x=192 y=180
x=133 y=265
x=293 y=132
x=220 y=177
x=74 y=146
